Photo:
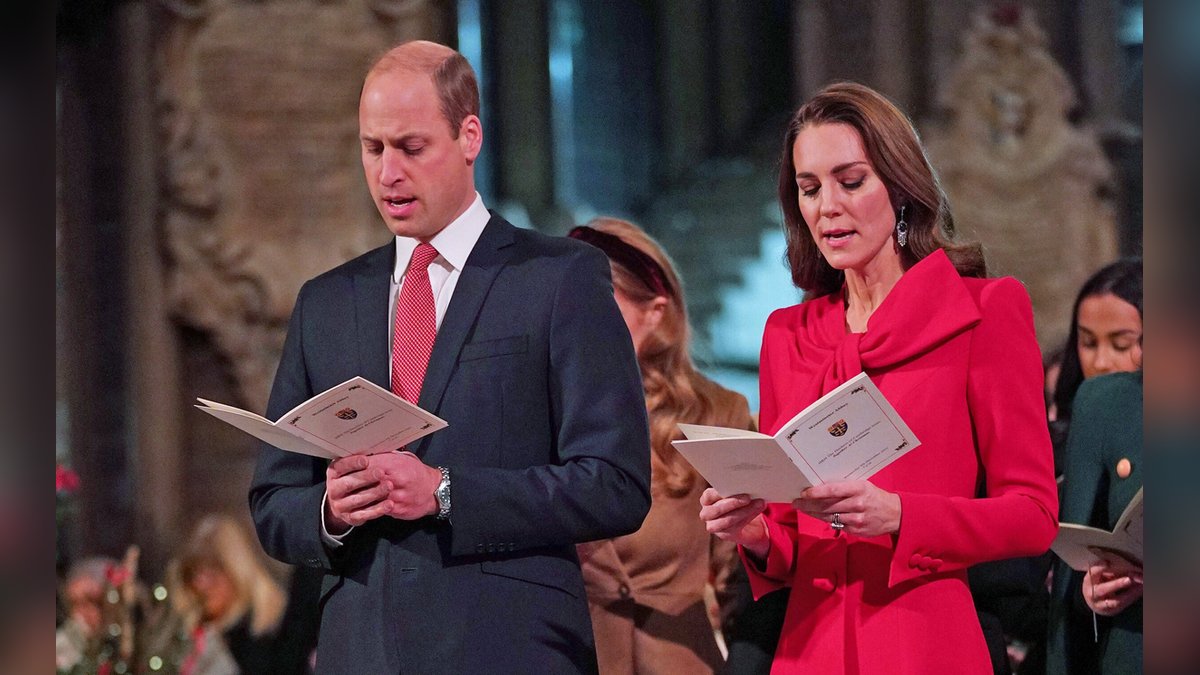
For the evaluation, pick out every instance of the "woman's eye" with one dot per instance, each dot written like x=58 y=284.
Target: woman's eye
x=1122 y=346
x=853 y=185
x=809 y=191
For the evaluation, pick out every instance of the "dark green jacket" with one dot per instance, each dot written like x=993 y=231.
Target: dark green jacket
x=1106 y=428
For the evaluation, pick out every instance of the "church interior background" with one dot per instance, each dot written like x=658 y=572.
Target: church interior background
x=210 y=151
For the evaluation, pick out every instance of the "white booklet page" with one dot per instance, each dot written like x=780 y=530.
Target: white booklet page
x=850 y=433
x=354 y=417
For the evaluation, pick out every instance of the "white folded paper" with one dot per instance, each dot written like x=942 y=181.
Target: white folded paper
x=354 y=417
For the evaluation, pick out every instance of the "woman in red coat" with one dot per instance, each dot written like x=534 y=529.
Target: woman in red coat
x=878 y=568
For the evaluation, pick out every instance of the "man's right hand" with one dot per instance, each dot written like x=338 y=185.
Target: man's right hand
x=353 y=494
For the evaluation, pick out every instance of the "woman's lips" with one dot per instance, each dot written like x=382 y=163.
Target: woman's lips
x=838 y=238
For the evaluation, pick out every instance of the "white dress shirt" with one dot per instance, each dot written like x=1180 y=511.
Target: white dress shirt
x=454 y=245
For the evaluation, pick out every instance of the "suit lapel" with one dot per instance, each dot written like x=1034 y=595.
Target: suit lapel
x=485 y=262
x=371 y=293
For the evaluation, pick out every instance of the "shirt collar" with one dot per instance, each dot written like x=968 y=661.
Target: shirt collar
x=454 y=243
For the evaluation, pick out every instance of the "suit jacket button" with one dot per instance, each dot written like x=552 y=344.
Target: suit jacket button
x=491 y=548
x=479 y=548
x=313 y=562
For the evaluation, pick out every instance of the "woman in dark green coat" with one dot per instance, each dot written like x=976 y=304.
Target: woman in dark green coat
x=1104 y=472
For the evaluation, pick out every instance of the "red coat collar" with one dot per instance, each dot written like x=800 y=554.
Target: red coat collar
x=928 y=305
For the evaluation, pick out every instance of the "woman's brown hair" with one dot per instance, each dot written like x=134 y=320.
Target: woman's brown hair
x=675 y=390
x=896 y=154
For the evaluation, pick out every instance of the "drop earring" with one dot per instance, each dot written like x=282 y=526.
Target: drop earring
x=901 y=230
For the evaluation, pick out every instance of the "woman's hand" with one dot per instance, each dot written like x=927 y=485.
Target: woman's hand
x=862 y=508
x=1112 y=584
x=737 y=519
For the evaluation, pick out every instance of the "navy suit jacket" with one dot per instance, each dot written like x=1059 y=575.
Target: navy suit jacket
x=547 y=446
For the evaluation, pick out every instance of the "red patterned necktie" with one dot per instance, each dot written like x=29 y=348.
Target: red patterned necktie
x=416 y=326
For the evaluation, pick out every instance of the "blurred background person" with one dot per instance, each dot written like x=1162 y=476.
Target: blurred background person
x=83 y=595
x=227 y=599
x=877 y=568
x=646 y=590
x=1104 y=337
x=1096 y=616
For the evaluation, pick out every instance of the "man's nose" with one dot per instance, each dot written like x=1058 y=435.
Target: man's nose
x=391 y=169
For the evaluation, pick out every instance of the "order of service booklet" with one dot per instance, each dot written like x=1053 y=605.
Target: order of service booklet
x=356 y=417
x=1075 y=542
x=848 y=434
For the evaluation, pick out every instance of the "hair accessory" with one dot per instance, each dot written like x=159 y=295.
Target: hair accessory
x=628 y=256
x=901 y=230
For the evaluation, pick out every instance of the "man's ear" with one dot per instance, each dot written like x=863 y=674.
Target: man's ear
x=470 y=137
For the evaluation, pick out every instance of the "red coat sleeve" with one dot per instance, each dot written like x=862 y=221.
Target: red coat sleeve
x=780 y=518
x=1018 y=514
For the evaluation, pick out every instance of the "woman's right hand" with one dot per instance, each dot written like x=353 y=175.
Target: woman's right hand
x=738 y=519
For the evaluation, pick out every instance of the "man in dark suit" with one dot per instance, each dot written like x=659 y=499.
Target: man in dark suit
x=456 y=554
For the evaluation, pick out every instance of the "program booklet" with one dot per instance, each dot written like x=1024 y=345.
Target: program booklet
x=848 y=434
x=356 y=417
x=1074 y=543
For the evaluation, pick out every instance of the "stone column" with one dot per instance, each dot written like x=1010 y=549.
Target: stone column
x=686 y=104
x=92 y=244
x=153 y=349
x=520 y=135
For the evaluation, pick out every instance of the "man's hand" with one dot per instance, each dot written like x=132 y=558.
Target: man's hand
x=410 y=484
x=354 y=494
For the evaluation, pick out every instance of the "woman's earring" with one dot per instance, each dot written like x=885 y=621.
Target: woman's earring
x=901 y=230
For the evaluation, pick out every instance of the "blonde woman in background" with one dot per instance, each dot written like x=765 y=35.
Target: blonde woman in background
x=646 y=590
x=227 y=599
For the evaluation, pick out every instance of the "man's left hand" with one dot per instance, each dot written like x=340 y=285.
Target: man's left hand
x=413 y=483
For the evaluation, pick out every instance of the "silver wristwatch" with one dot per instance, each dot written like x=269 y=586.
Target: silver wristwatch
x=442 y=494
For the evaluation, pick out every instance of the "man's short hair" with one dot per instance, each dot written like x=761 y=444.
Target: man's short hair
x=453 y=77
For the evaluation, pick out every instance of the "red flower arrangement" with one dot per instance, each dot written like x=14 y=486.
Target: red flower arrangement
x=66 y=481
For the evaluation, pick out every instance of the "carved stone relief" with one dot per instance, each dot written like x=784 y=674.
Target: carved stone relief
x=263 y=187
x=1020 y=177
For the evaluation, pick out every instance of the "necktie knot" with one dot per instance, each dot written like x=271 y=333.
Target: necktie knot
x=422 y=257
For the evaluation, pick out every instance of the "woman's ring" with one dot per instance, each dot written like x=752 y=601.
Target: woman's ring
x=837 y=523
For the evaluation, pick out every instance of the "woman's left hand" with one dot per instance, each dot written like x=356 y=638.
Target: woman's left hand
x=862 y=508
x=1112 y=584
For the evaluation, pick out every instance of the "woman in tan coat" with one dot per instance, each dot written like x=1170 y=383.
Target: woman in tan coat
x=646 y=590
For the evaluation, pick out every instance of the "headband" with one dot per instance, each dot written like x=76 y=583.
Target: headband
x=628 y=256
